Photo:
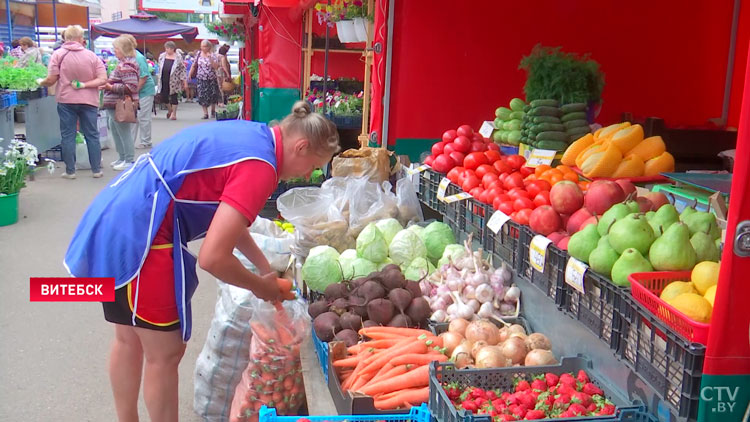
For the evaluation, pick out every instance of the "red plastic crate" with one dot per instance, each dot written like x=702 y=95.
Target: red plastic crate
x=646 y=288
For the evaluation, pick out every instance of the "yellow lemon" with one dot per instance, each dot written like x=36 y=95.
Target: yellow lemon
x=675 y=289
x=694 y=306
x=710 y=294
x=705 y=275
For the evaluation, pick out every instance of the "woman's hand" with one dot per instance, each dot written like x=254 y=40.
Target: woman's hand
x=106 y=87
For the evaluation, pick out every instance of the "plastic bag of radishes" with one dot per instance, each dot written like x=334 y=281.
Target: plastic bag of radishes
x=273 y=376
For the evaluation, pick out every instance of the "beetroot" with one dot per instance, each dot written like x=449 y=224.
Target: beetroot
x=413 y=287
x=339 y=305
x=393 y=279
x=371 y=290
x=401 y=298
x=349 y=337
x=370 y=323
x=350 y=321
x=400 y=320
x=335 y=291
x=356 y=308
x=326 y=325
x=390 y=267
x=318 y=307
x=419 y=310
x=381 y=310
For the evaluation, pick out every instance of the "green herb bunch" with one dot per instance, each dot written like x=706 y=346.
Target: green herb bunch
x=20 y=78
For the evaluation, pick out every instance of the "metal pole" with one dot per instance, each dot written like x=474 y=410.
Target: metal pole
x=88 y=25
x=36 y=24
x=388 y=57
x=325 y=69
x=10 y=24
x=730 y=63
x=54 y=16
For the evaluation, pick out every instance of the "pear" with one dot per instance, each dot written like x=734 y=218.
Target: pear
x=631 y=261
x=583 y=242
x=700 y=221
x=603 y=257
x=687 y=211
x=631 y=231
x=616 y=212
x=632 y=206
x=603 y=239
x=664 y=217
x=673 y=251
x=650 y=215
x=705 y=247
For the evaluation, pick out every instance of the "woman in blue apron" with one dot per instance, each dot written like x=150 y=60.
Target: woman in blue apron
x=208 y=181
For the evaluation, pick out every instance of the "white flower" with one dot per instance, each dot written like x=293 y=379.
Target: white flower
x=10 y=164
x=51 y=167
x=2 y=171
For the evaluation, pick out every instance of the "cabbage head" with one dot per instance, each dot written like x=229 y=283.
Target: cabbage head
x=362 y=268
x=416 y=228
x=322 y=268
x=346 y=259
x=451 y=253
x=436 y=237
x=418 y=269
x=371 y=244
x=389 y=227
x=405 y=246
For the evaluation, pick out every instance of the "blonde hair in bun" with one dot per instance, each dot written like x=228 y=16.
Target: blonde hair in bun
x=319 y=131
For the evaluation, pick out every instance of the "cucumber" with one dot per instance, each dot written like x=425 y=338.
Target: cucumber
x=579 y=131
x=544 y=103
x=545 y=111
x=576 y=123
x=546 y=119
x=552 y=136
x=574 y=116
x=573 y=107
x=517 y=115
x=553 y=145
x=526 y=108
x=555 y=127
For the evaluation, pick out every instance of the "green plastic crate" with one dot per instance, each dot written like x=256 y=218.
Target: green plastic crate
x=683 y=197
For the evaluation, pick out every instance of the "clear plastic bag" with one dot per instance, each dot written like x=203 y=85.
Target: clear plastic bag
x=409 y=209
x=273 y=241
x=368 y=202
x=273 y=376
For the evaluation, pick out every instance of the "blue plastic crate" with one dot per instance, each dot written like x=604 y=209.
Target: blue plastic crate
x=8 y=99
x=417 y=414
x=321 y=349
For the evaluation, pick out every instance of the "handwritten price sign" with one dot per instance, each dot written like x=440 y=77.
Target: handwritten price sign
x=574 y=273
x=538 y=252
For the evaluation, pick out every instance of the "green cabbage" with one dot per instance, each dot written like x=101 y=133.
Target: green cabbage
x=363 y=267
x=418 y=269
x=405 y=246
x=322 y=268
x=451 y=253
x=389 y=227
x=436 y=237
x=346 y=259
x=371 y=244
x=416 y=228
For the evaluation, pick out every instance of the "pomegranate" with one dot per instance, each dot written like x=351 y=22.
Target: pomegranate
x=602 y=195
x=544 y=220
x=566 y=197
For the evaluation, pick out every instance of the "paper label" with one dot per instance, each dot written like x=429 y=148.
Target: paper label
x=540 y=156
x=415 y=170
x=457 y=197
x=486 y=129
x=497 y=221
x=442 y=187
x=574 y=273
x=538 y=252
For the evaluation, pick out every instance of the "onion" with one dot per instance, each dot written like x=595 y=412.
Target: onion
x=458 y=326
x=491 y=357
x=540 y=357
x=463 y=347
x=463 y=360
x=538 y=341
x=451 y=341
x=484 y=293
x=513 y=294
x=502 y=335
x=517 y=328
x=514 y=349
x=482 y=330
x=476 y=347
x=439 y=316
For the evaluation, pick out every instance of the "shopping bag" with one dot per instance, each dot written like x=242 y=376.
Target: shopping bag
x=373 y=163
x=82 y=154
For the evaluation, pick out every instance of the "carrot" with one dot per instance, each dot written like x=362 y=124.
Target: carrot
x=409 y=397
x=402 y=343
x=395 y=331
x=349 y=362
x=375 y=344
x=361 y=382
x=416 y=346
x=418 y=377
x=355 y=373
x=285 y=286
x=418 y=359
x=391 y=372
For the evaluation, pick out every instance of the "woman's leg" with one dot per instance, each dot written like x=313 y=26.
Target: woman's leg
x=174 y=106
x=163 y=351
x=114 y=127
x=125 y=369
x=68 y=120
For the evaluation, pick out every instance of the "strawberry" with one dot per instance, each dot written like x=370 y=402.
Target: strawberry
x=566 y=389
x=592 y=389
x=582 y=398
x=534 y=414
x=577 y=409
x=539 y=385
x=562 y=401
x=607 y=409
x=477 y=392
x=592 y=407
x=479 y=401
x=527 y=400
x=469 y=405
x=504 y=417
x=497 y=403
x=518 y=411
x=566 y=414
x=551 y=379
x=505 y=396
x=491 y=395
x=567 y=379
x=582 y=377
x=452 y=391
x=523 y=385
x=303 y=420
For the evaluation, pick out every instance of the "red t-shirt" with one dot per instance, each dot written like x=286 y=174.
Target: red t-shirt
x=245 y=186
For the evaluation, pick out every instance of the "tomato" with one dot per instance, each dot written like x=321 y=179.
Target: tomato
x=476 y=192
x=454 y=173
x=474 y=160
x=463 y=175
x=437 y=148
x=522 y=216
x=525 y=171
x=541 y=198
x=497 y=184
x=493 y=146
x=515 y=161
x=488 y=178
x=458 y=157
x=522 y=202
x=493 y=193
x=504 y=197
x=478 y=146
x=543 y=185
x=484 y=169
x=448 y=148
x=501 y=166
x=462 y=144
x=477 y=137
x=506 y=207
x=443 y=163
x=429 y=160
x=518 y=193
x=449 y=135
x=484 y=197
x=514 y=180
x=470 y=182
x=492 y=155
x=534 y=187
x=502 y=178
x=465 y=130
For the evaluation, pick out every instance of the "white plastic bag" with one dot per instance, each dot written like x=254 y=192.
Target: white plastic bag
x=82 y=157
x=101 y=123
x=368 y=202
x=273 y=241
x=409 y=208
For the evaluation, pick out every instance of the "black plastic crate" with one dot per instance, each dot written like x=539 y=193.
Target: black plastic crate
x=504 y=245
x=346 y=121
x=663 y=359
x=502 y=378
x=595 y=308
x=438 y=328
x=552 y=280
x=428 y=187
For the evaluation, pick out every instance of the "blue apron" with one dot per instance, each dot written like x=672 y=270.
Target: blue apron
x=117 y=230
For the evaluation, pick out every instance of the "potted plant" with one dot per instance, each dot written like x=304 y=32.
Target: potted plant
x=228 y=32
x=15 y=163
x=22 y=79
x=336 y=13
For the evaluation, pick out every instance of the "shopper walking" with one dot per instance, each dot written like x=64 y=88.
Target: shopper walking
x=172 y=79
x=78 y=73
x=31 y=53
x=209 y=180
x=205 y=70
x=122 y=82
x=191 y=82
x=224 y=72
x=146 y=92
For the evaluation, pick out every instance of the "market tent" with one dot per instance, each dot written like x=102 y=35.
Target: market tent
x=144 y=26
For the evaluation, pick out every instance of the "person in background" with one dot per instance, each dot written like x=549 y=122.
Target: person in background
x=31 y=53
x=173 y=77
x=205 y=70
x=16 y=50
x=191 y=82
x=146 y=92
x=78 y=74
x=122 y=82
x=224 y=72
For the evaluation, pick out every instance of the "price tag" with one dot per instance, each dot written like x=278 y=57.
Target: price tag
x=540 y=156
x=456 y=197
x=442 y=187
x=538 y=252
x=574 y=272
x=486 y=129
x=415 y=170
x=497 y=221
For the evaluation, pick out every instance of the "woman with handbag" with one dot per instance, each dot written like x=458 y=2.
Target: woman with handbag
x=205 y=70
x=172 y=79
x=224 y=74
x=121 y=102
